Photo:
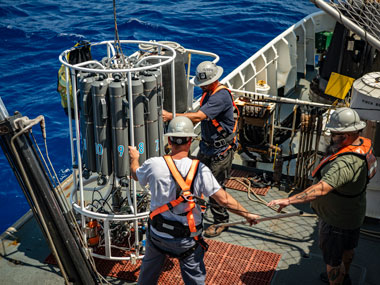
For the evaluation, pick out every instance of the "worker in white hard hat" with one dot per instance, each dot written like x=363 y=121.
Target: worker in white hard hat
x=175 y=220
x=218 y=129
x=338 y=195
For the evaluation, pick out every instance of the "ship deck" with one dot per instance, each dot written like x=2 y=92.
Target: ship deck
x=23 y=253
x=295 y=238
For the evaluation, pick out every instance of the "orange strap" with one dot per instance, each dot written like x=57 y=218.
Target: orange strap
x=215 y=122
x=166 y=207
x=185 y=187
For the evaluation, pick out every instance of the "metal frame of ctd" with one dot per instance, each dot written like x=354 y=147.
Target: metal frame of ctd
x=75 y=136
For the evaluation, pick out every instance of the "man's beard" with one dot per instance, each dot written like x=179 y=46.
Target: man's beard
x=334 y=146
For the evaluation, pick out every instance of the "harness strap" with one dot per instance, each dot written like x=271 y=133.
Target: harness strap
x=215 y=123
x=186 y=194
x=184 y=185
x=173 y=228
x=166 y=207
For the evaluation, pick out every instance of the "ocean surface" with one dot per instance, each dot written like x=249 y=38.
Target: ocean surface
x=34 y=33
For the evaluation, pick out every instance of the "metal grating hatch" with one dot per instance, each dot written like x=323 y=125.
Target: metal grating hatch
x=242 y=186
x=225 y=264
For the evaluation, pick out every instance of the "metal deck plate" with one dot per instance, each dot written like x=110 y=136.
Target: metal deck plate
x=236 y=185
x=225 y=264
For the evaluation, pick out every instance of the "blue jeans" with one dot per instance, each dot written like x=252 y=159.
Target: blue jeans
x=192 y=267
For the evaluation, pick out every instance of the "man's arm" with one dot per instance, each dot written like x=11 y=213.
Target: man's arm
x=195 y=117
x=134 y=160
x=224 y=199
x=308 y=195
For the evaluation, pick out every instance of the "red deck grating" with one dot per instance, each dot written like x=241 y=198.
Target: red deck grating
x=234 y=184
x=225 y=264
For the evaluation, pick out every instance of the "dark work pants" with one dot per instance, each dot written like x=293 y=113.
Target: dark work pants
x=334 y=241
x=193 y=269
x=221 y=169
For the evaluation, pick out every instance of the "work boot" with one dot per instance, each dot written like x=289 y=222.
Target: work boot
x=325 y=279
x=214 y=231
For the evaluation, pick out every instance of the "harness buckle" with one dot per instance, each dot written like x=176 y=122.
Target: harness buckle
x=220 y=143
x=188 y=198
x=220 y=156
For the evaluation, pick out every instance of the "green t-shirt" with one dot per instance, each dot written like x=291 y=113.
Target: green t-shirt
x=347 y=174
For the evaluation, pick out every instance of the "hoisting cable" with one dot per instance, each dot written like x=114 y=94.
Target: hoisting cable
x=117 y=40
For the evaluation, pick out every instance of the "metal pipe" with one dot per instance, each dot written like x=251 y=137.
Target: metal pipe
x=275 y=217
x=319 y=132
x=302 y=150
x=151 y=57
x=295 y=109
x=90 y=62
x=77 y=140
x=132 y=143
x=173 y=89
x=308 y=153
x=281 y=99
x=205 y=53
x=296 y=174
x=347 y=23
x=93 y=70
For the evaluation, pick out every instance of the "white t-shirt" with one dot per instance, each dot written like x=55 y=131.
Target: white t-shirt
x=156 y=173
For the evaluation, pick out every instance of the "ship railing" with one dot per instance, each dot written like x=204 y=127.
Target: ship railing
x=272 y=73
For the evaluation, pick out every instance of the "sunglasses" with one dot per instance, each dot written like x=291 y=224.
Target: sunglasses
x=336 y=134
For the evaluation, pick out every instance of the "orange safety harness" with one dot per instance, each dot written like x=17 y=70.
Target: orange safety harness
x=185 y=195
x=225 y=140
x=364 y=150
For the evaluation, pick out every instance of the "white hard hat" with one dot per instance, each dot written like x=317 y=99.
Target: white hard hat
x=345 y=120
x=207 y=72
x=181 y=126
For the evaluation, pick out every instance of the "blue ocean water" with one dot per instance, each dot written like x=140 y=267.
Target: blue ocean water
x=34 y=33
